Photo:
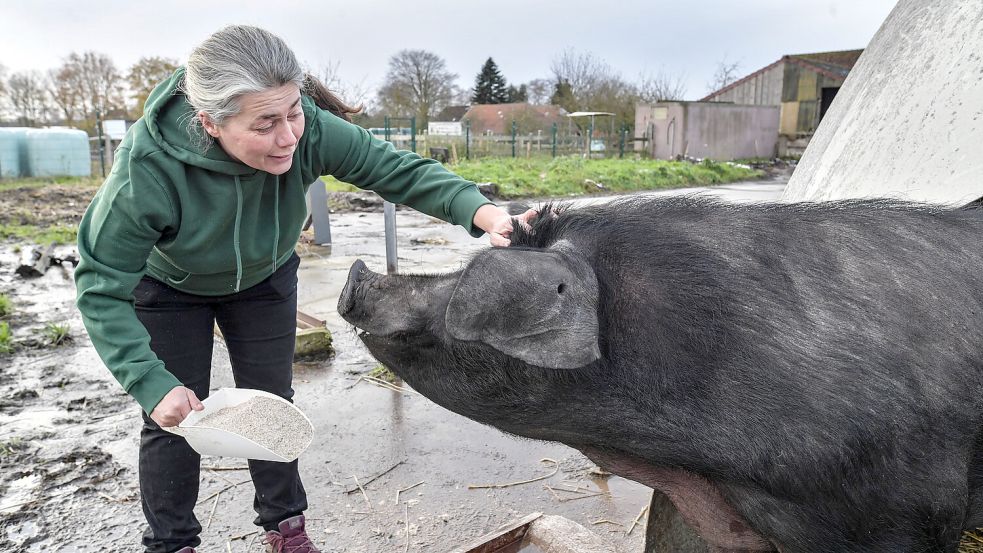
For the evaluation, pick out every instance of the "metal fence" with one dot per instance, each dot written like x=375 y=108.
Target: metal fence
x=538 y=144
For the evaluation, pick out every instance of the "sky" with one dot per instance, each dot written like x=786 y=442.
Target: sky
x=687 y=39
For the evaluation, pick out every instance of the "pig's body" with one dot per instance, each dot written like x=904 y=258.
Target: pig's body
x=806 y=378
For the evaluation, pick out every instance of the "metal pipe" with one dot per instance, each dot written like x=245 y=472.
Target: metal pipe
x=389 y=214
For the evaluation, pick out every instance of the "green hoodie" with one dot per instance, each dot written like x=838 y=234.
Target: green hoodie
x=208 y=225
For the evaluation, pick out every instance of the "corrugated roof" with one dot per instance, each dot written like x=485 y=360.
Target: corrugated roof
x=835 y=65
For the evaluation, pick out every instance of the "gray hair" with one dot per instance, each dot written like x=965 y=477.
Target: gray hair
x=234 y=61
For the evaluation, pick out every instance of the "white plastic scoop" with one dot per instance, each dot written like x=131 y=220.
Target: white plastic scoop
x=214 y=441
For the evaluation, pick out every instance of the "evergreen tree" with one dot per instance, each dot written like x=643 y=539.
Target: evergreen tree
x=563 y=96
x=520 y=94
x=490 y=86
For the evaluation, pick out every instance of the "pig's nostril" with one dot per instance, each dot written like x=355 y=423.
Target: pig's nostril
x=560 y=288
x=346 y=301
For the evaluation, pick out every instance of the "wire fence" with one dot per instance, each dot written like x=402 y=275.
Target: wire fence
x=539 y=144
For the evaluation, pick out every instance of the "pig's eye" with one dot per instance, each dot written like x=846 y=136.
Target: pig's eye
x=561 y=288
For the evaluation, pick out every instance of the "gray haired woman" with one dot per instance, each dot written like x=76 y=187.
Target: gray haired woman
x=197 y=225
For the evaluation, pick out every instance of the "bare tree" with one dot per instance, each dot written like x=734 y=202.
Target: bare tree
x=417 y=83
x=660 y=86
x=100 y=82
x=29 y=98
x=584 y=82
x=145 y=74
x=583 y=72
x=539 y=91
x=3 y=84
x=353 y=93
x=66 y=90
x=725 y=74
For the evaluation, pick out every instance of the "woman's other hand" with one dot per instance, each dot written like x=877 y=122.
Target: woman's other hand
x=175 y=407
x=498 y=223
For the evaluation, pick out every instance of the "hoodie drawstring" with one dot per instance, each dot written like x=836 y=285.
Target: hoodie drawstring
x=235 y=233
x=276 y=221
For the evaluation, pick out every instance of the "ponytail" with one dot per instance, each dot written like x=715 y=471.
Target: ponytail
x=327 y=100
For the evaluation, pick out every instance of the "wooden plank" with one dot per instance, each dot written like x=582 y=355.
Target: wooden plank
x=504 y=536
x=307 y=321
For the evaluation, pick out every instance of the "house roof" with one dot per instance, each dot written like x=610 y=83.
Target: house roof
x=451 y=114
x=494 y=116
x=836 y=65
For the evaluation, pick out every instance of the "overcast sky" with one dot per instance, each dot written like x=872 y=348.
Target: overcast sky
x=687 y=38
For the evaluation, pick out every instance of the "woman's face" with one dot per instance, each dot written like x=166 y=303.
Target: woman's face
x=265 y=132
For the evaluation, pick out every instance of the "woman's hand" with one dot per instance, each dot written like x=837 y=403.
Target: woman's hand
x=498 y=223
x=175 y=407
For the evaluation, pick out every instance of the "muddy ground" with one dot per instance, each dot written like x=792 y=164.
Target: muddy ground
x=68 y=434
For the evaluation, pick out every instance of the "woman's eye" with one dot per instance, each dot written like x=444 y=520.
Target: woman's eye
x=293 y=115
x=265 y=130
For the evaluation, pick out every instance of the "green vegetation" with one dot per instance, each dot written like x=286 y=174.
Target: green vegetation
x=566 y=176
x=6 y=306
x=41 y=182
x=524 y=178
x=382 y=372
x=6 y=338
x=62 y=234
x=11 y=446
x=55 y=334
x=332 y=184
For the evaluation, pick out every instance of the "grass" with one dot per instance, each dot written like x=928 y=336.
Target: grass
x=56 y=334
x=6 y=306
x=62 y=234
x=41 y=182
x=11 y=446
x=382 y=372
x=567 y=176
x=6 y=338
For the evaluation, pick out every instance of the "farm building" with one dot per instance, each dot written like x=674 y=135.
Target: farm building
x=802 y=85
x=714 y=130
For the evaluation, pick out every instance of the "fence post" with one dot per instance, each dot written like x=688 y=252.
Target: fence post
x=102 y=151
x=513 y=137
x=590 y=138
x=554 y=139
x=413 y=133
x=621 y=142
x=386 y=127
x=467 y=139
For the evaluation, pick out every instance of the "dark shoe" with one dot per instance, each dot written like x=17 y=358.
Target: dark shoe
x=290 y=539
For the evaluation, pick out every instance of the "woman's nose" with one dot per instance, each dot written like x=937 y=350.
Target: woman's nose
x=285 y=137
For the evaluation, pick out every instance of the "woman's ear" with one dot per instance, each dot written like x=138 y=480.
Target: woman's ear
x=206 y=123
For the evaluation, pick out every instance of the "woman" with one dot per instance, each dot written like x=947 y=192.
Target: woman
x=197 y=224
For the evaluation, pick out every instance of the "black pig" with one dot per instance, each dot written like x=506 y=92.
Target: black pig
x=802 y=377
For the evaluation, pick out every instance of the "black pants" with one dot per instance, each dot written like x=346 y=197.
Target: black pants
x=259 y=326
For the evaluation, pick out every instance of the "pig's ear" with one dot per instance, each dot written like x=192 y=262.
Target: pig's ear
x=537 y=306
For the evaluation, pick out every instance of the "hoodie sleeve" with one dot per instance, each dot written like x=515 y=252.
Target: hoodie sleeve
x=125 y=219
x=351 y=154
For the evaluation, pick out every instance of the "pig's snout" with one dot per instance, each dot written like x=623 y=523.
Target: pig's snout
x=358 y=274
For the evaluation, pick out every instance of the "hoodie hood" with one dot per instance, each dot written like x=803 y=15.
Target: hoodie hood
x=167 y=114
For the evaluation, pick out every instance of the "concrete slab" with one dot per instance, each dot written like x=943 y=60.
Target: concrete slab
x=908 y=120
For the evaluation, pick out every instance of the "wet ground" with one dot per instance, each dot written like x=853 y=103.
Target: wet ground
x=68 y=434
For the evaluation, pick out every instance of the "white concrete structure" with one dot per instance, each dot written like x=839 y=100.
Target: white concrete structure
x=908 y=121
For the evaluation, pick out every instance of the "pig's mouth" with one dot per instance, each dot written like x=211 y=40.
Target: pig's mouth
x=396 y=337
